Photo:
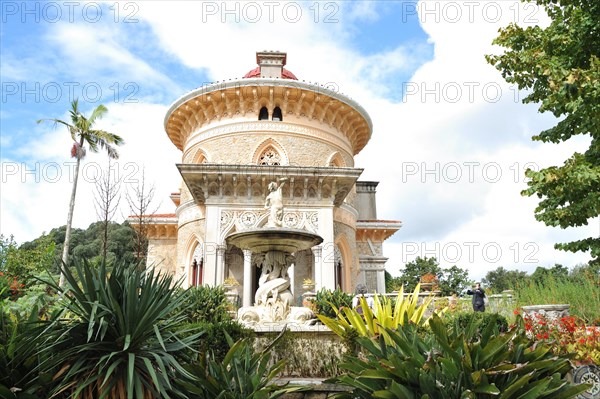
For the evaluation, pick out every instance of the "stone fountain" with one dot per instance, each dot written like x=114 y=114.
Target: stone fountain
x=274 y=246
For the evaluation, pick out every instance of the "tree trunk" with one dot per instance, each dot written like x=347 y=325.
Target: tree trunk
x=65 y=254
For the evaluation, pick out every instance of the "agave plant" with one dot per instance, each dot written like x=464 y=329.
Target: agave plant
x=382 y=317
x=449 y=364
x=243 y=374
x=119 y=340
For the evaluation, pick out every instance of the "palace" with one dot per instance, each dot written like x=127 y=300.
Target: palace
x=238 y=136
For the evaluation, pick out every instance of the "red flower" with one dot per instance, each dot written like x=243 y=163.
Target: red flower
x=516 y=312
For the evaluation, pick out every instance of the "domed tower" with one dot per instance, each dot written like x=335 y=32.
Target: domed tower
x=239 y=135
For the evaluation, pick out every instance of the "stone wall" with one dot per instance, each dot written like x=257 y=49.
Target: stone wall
x=308 y=354
x=315 y=390
x=162 y=255
x=241 y=149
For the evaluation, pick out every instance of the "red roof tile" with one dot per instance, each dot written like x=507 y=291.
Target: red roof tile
x=285 y=74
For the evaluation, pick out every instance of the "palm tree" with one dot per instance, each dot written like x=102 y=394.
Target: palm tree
x=82 y=133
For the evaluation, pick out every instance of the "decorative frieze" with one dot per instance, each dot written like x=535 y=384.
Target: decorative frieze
x=228 y=184
x=250 y=219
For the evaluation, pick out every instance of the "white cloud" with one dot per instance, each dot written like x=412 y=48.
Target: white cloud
x=457 y=110
x=35 y=194
x=459 y=115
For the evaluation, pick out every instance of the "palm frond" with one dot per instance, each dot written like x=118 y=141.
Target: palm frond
x=97 y=113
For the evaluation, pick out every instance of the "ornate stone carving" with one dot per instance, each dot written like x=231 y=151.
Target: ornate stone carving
x=314 y=219
x=248 y=219
x=269 y=157
x=225 y=218
x=291 y=219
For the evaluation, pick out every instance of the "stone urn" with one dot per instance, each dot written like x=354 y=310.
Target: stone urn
x=427 y=287
x=308 y=285
x=428 y=282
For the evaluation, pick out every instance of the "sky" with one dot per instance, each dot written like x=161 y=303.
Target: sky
x=450 y=144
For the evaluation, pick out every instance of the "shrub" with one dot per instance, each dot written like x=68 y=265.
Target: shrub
x=452 y=363
x=385 y=314
x=481 y=320
x=214 y=339
x=327 y=301
x=204 y=304
x=40 y=296
x=243 y=374
x=19 y=363
x=568 y=334
x=10 y=287
x=581 y=291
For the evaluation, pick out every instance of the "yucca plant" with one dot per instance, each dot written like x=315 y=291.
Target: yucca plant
x=449 y=364
x=384 y=315
x=243 y=374
x=120 y=340
x=20 y=338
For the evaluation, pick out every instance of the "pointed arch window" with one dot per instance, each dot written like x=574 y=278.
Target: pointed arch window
x=336 y=160
x=263 y=115
x=270 y=156
x=197 y=267
x=277 y=115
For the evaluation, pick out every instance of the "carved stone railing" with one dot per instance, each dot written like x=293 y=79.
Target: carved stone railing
x=550 y=311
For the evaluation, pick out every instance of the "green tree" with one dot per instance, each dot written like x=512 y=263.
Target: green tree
x=557 y=272
x=82 y=133
x=454 y=280
x=25 y=261
x=560 y=67
x=89 y=243
x=501 y=279
x=392 y=283
x=413 y=271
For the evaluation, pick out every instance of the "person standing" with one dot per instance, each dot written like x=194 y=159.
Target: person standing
x=478 y=298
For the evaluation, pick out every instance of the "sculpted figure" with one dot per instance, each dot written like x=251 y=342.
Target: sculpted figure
x=274 y=202
x=274 y=282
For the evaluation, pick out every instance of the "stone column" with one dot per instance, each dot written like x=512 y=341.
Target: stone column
x=291 y=276
x=372 y=270
x=317 y=253
x=220 y=263
x=248 y=294
x=327 y=272
x=381 y=281
x=211 y=261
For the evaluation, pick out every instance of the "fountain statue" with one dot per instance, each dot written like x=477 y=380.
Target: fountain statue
x=274 y=247
x=274 y=202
